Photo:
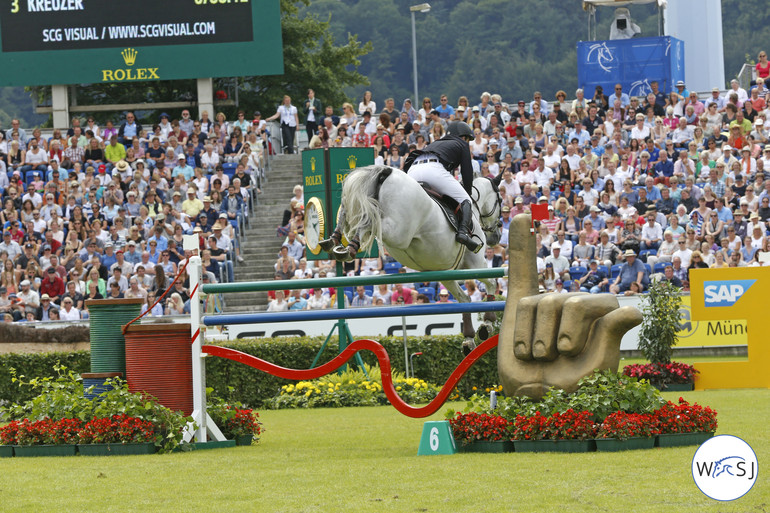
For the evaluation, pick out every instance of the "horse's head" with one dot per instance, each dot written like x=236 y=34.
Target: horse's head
x=490 y=209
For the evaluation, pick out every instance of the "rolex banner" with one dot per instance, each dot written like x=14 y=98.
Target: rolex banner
x=323 y=172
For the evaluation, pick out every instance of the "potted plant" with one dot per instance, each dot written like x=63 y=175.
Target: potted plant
x=481 y=432
x=658 y=336
x=569 y=431
x=234 y=420
x=684 y=424
x=117 y=435
x=622 y=431
x=671 y=377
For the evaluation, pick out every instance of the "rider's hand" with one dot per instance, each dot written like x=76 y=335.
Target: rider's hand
x=552 y=340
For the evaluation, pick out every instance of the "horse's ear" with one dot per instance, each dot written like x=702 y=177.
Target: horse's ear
x=496 y=180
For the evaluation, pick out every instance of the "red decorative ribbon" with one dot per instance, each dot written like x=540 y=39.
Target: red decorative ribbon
x=347 y=354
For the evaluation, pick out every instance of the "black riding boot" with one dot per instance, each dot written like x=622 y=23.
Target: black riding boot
x=465 y=227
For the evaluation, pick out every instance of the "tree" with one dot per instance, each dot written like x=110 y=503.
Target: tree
x=310 y=60
x=660 y=323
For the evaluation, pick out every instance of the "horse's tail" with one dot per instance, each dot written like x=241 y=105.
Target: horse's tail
x=360 y=195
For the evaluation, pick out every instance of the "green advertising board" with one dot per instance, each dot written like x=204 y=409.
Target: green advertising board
x=323 y=172
x=45 y=42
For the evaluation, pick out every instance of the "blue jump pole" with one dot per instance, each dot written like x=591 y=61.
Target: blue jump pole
x=353 y=313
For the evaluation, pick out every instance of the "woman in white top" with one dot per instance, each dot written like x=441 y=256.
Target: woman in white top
x=382 y=292
x=318 y=301
x=348 y=115
x=370 y=266
x=478 y=146
x=68 y=312
x=289 y=122
x=579 y=102
x=367 y=104
x=278 y=304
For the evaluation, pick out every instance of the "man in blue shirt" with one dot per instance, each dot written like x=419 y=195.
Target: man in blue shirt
x=619 y=95
x=445 y=111
x=128 y=130
x=183 y=168
x=633 y=270
x=664 y=169
x=580 y=134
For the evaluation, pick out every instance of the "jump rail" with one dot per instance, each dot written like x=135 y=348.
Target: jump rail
x=353 y=313
x=354 y=281
x=203 y=425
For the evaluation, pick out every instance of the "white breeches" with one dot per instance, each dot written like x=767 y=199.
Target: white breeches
x=434 y=174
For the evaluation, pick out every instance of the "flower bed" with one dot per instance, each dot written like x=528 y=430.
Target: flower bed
x=662 y=374
x=59 y=415
x=352 y=388
x=639 y=418
x=234 y=420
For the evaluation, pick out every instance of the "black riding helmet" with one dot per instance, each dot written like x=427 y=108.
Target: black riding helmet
x=460 y=129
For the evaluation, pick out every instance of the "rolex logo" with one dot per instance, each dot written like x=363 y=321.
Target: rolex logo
x=129 y=56
x=352 y=161
x=120 y=75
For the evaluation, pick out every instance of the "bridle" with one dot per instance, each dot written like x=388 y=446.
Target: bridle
x=494 y=213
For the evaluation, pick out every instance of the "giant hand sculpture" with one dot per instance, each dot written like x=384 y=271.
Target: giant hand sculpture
x=553 y=340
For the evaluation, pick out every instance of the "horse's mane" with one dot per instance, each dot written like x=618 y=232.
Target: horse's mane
x=362 y=206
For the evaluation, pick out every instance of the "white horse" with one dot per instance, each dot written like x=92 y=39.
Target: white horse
x=386 y=204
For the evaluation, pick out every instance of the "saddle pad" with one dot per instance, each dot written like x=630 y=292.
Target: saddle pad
x=447 y=204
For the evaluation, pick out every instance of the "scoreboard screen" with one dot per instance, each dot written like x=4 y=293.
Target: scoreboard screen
x=87 y=41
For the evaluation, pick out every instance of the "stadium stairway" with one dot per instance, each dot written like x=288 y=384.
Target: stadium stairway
x=260 y=249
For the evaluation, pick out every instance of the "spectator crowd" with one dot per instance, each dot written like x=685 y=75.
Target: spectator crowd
x=100 y=212
x=635 y=188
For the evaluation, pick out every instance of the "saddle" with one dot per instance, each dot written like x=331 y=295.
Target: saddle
x=448 y=205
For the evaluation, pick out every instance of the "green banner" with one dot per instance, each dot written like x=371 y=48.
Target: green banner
x=45 y=42
x=323 y=172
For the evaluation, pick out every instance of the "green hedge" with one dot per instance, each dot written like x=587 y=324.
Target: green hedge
x=36 y=365
x=441 y=355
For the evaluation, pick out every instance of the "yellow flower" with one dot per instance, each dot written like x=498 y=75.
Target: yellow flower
x=307 y=394
x=352 y=382
x=474 y=388
x=398 y=388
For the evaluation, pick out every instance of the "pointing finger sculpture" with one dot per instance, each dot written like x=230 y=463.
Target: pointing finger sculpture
x=553 y=340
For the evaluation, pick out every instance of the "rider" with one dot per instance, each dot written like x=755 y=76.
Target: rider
x=434 y=165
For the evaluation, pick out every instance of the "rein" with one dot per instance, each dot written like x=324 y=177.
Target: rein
x=495 y=208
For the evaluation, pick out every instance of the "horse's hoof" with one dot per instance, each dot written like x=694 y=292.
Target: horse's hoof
x=327 y=244
x=341 y=254
x=468 y=345
x=484 y=332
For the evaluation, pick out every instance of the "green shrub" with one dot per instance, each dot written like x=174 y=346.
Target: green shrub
x=61 y=397
x=440 y=356
x=660 y=321
x=36 y=365
x=600 y=393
